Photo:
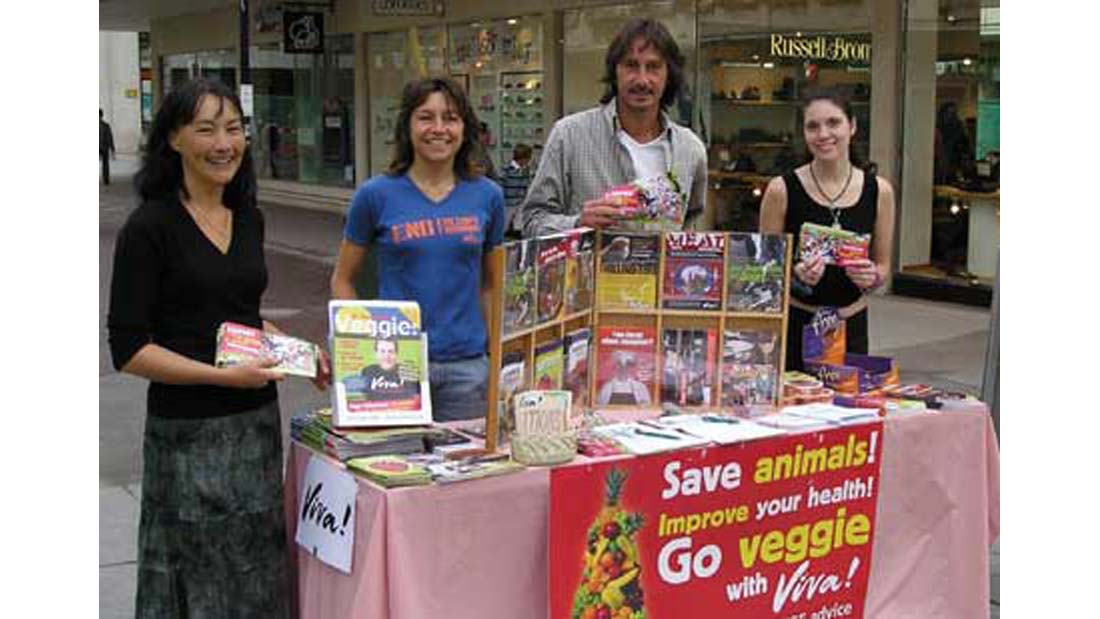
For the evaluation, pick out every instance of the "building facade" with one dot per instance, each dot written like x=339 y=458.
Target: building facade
x=923 y=76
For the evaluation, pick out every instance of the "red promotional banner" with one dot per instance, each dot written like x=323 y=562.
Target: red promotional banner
x=778 y=528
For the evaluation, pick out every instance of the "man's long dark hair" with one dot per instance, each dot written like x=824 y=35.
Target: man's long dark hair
x=161 y=173
x=654 y=33
x=413 y=96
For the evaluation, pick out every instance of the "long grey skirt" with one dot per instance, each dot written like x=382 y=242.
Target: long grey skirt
x=212 y=538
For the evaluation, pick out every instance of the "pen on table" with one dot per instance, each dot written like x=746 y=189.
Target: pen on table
x=663 y=428
x=655 y=434
x=716 y=419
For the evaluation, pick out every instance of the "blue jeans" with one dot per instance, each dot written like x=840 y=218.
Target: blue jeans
x=460 y=388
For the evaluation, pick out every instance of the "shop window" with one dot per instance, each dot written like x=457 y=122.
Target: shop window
x=500 y=64
x=755 y=64
x=304 y=113
x=951 y=155
x=177 y=69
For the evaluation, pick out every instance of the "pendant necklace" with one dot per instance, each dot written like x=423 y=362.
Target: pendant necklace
x=833 y=208
x=220 y=231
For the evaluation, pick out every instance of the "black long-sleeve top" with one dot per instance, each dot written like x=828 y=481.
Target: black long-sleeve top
x=172 y=287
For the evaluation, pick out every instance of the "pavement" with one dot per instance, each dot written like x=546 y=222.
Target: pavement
x=937 y=343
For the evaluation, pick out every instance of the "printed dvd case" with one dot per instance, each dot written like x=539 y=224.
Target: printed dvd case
x=625 y=369
x=580 y=271
x=688 y=360
x=756 y=272
x=693 y=270
x=553 y=256
x=513 y=375
x=627 y=278
x=519 y=285
x=750 y=368
x=577 y=346
x=548 y=366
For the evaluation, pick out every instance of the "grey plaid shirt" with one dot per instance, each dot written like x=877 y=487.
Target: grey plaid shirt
x=583 y=158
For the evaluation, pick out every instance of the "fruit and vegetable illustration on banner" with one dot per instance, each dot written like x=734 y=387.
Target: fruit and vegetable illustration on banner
x=774 y=529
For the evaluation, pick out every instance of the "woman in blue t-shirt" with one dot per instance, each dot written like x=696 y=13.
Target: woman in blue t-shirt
x=432 y=220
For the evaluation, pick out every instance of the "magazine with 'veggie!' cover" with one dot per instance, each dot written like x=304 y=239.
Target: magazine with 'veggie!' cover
x=379 y=364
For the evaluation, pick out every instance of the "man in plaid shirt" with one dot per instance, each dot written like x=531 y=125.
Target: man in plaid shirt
x=629 y=136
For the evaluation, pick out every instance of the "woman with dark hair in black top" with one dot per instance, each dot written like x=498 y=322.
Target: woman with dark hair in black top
x=212 y=540
x=831 y=191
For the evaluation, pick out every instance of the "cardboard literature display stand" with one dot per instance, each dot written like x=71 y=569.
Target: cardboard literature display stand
x=728 y=316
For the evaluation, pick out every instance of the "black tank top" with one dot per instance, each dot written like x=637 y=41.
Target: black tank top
x=834 y=289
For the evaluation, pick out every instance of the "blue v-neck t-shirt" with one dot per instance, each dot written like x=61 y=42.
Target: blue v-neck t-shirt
x=431 y=252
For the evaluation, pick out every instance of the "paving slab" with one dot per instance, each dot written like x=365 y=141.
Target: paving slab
x=118 y=525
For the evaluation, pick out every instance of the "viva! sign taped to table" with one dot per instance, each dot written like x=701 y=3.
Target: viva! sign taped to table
x=779 y=528
x=326 y=513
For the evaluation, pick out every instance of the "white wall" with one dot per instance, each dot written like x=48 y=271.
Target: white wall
x=119 y=72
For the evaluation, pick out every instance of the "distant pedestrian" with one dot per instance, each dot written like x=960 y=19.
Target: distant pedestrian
x=485 y=154
x=273 y=143
x=106 y=147
x=514 y=180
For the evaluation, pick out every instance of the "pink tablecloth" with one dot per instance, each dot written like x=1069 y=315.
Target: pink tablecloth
x=478 y=549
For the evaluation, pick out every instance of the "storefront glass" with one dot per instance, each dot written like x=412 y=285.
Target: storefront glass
x=219 y=64
x=500 y=63
x=950 y=230
x=757 y=59
x=304 y=113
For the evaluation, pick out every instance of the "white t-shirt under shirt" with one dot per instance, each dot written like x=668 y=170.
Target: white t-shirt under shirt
x=650 y=159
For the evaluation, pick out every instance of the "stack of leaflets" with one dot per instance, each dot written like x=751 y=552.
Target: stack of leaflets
x=239 y=343
x=379 y=364
x=693 y=270
x=800 y=388
x=625 y=365
x=390 y=471
x=476 y=467
x=791 y=422
x=627 y=278
x=721 y=429
x=833 y=245
x=927 y=396
x=833 y=414
x=756 y=272
x=647 y=437
x=595 y=445
x=316 y=431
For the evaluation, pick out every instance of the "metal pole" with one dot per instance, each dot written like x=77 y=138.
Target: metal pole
x=245 y=69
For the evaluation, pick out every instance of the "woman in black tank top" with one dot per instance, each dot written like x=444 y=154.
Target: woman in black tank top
x=831 y=191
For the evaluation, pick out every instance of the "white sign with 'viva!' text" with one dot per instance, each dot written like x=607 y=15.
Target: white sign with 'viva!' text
x=326 y=514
